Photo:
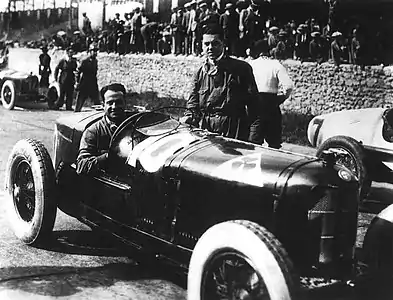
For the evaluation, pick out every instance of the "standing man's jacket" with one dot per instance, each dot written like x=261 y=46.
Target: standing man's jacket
x=221 y=94
x=87 y=73
x=66 y=69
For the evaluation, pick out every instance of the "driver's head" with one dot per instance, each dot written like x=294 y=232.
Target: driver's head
x=113 y=96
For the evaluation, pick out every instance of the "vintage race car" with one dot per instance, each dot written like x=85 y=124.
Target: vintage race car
x=241 y=219
x=16 y=87
x=362 y=139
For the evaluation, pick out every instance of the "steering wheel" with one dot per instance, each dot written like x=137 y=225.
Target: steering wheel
x=134 y=120
x=124 y=124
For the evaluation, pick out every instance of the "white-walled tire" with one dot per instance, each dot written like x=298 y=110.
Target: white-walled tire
x=8 y=95
x=30 y=191
x=248 y=248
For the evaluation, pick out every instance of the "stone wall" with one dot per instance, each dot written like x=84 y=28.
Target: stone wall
x=160 y=81
x=322 y=88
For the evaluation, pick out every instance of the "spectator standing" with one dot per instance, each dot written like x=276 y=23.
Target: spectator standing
x=186 y=28
x=272 y=38
x=65 y=76
x=244 y=38
x=255 y=23
x=136 y=37
x=86 y=27
x=127 y=32
x=44 y=69
x=148 y=33
x=269 y=74
x=221 y=90
x=337 y=48
x=316 y=48
x=229 y=22
x=86 y=79
x=280 y=51
x=356 y=48
x=302 y=43
x=193 y=28
x=177 y=30
x=208 y=16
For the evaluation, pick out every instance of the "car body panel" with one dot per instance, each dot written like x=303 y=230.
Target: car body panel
x=161 y=192
x=364 y=125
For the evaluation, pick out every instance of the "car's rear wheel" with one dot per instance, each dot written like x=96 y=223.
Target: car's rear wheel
x=350 y=154
x=240 y=260
x=30 y=189
x=376 y=282
x=52 y=95
x=8 y=95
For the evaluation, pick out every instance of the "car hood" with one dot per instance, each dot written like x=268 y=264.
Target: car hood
x=240 y=162
x=8 y=73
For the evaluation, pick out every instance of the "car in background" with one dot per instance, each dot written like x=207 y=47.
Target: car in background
x=17 y=87
x=362 y=140
x=243 y=220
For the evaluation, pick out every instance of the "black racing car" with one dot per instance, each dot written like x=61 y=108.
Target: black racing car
x=243 y=220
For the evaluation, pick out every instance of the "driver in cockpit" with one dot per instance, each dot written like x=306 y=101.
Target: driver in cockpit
x=94 y=144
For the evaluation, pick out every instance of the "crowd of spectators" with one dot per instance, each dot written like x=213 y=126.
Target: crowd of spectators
x=243 y=23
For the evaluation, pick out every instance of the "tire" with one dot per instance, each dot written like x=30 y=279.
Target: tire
x=376 y=282
x=349 y=147
x=52 y=95
x=30 y=191
x=8 y=95
x=256 y=247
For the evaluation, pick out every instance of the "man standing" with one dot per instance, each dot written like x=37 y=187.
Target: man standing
x=222 y=89
x=187 y=32
x=269 y=75
x=67 y=68
x=337 y=49
x=316 y=48
x=86 y=27
x=229 y=22
x=94 y=144
x=86 y=79
x=44 y=67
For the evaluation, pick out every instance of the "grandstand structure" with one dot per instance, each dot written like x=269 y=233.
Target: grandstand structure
x=25 y=5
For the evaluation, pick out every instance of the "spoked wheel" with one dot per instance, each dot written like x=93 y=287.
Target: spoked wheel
x=349 y=153
x=8 y=95
x=24 y=191
x=30 y=191
x=238 y=260
x=231 y=275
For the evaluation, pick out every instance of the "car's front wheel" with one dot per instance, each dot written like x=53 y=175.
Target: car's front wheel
x=350 y=154
x=8 y=95
x=240 y=260
x=30 y=189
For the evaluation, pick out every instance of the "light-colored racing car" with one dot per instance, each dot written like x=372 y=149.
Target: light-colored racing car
x=361 y=139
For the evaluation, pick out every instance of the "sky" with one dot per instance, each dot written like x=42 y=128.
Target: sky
x=37 y=4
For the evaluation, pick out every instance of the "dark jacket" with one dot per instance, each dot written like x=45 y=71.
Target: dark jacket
x=230 y=24
x=44 y=68
x=87 y=73
x=66 y=69
x=225 y=93
x=94 y=146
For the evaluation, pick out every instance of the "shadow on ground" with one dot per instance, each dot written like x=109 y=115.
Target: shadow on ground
x=82 y=242
x=67 y=281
